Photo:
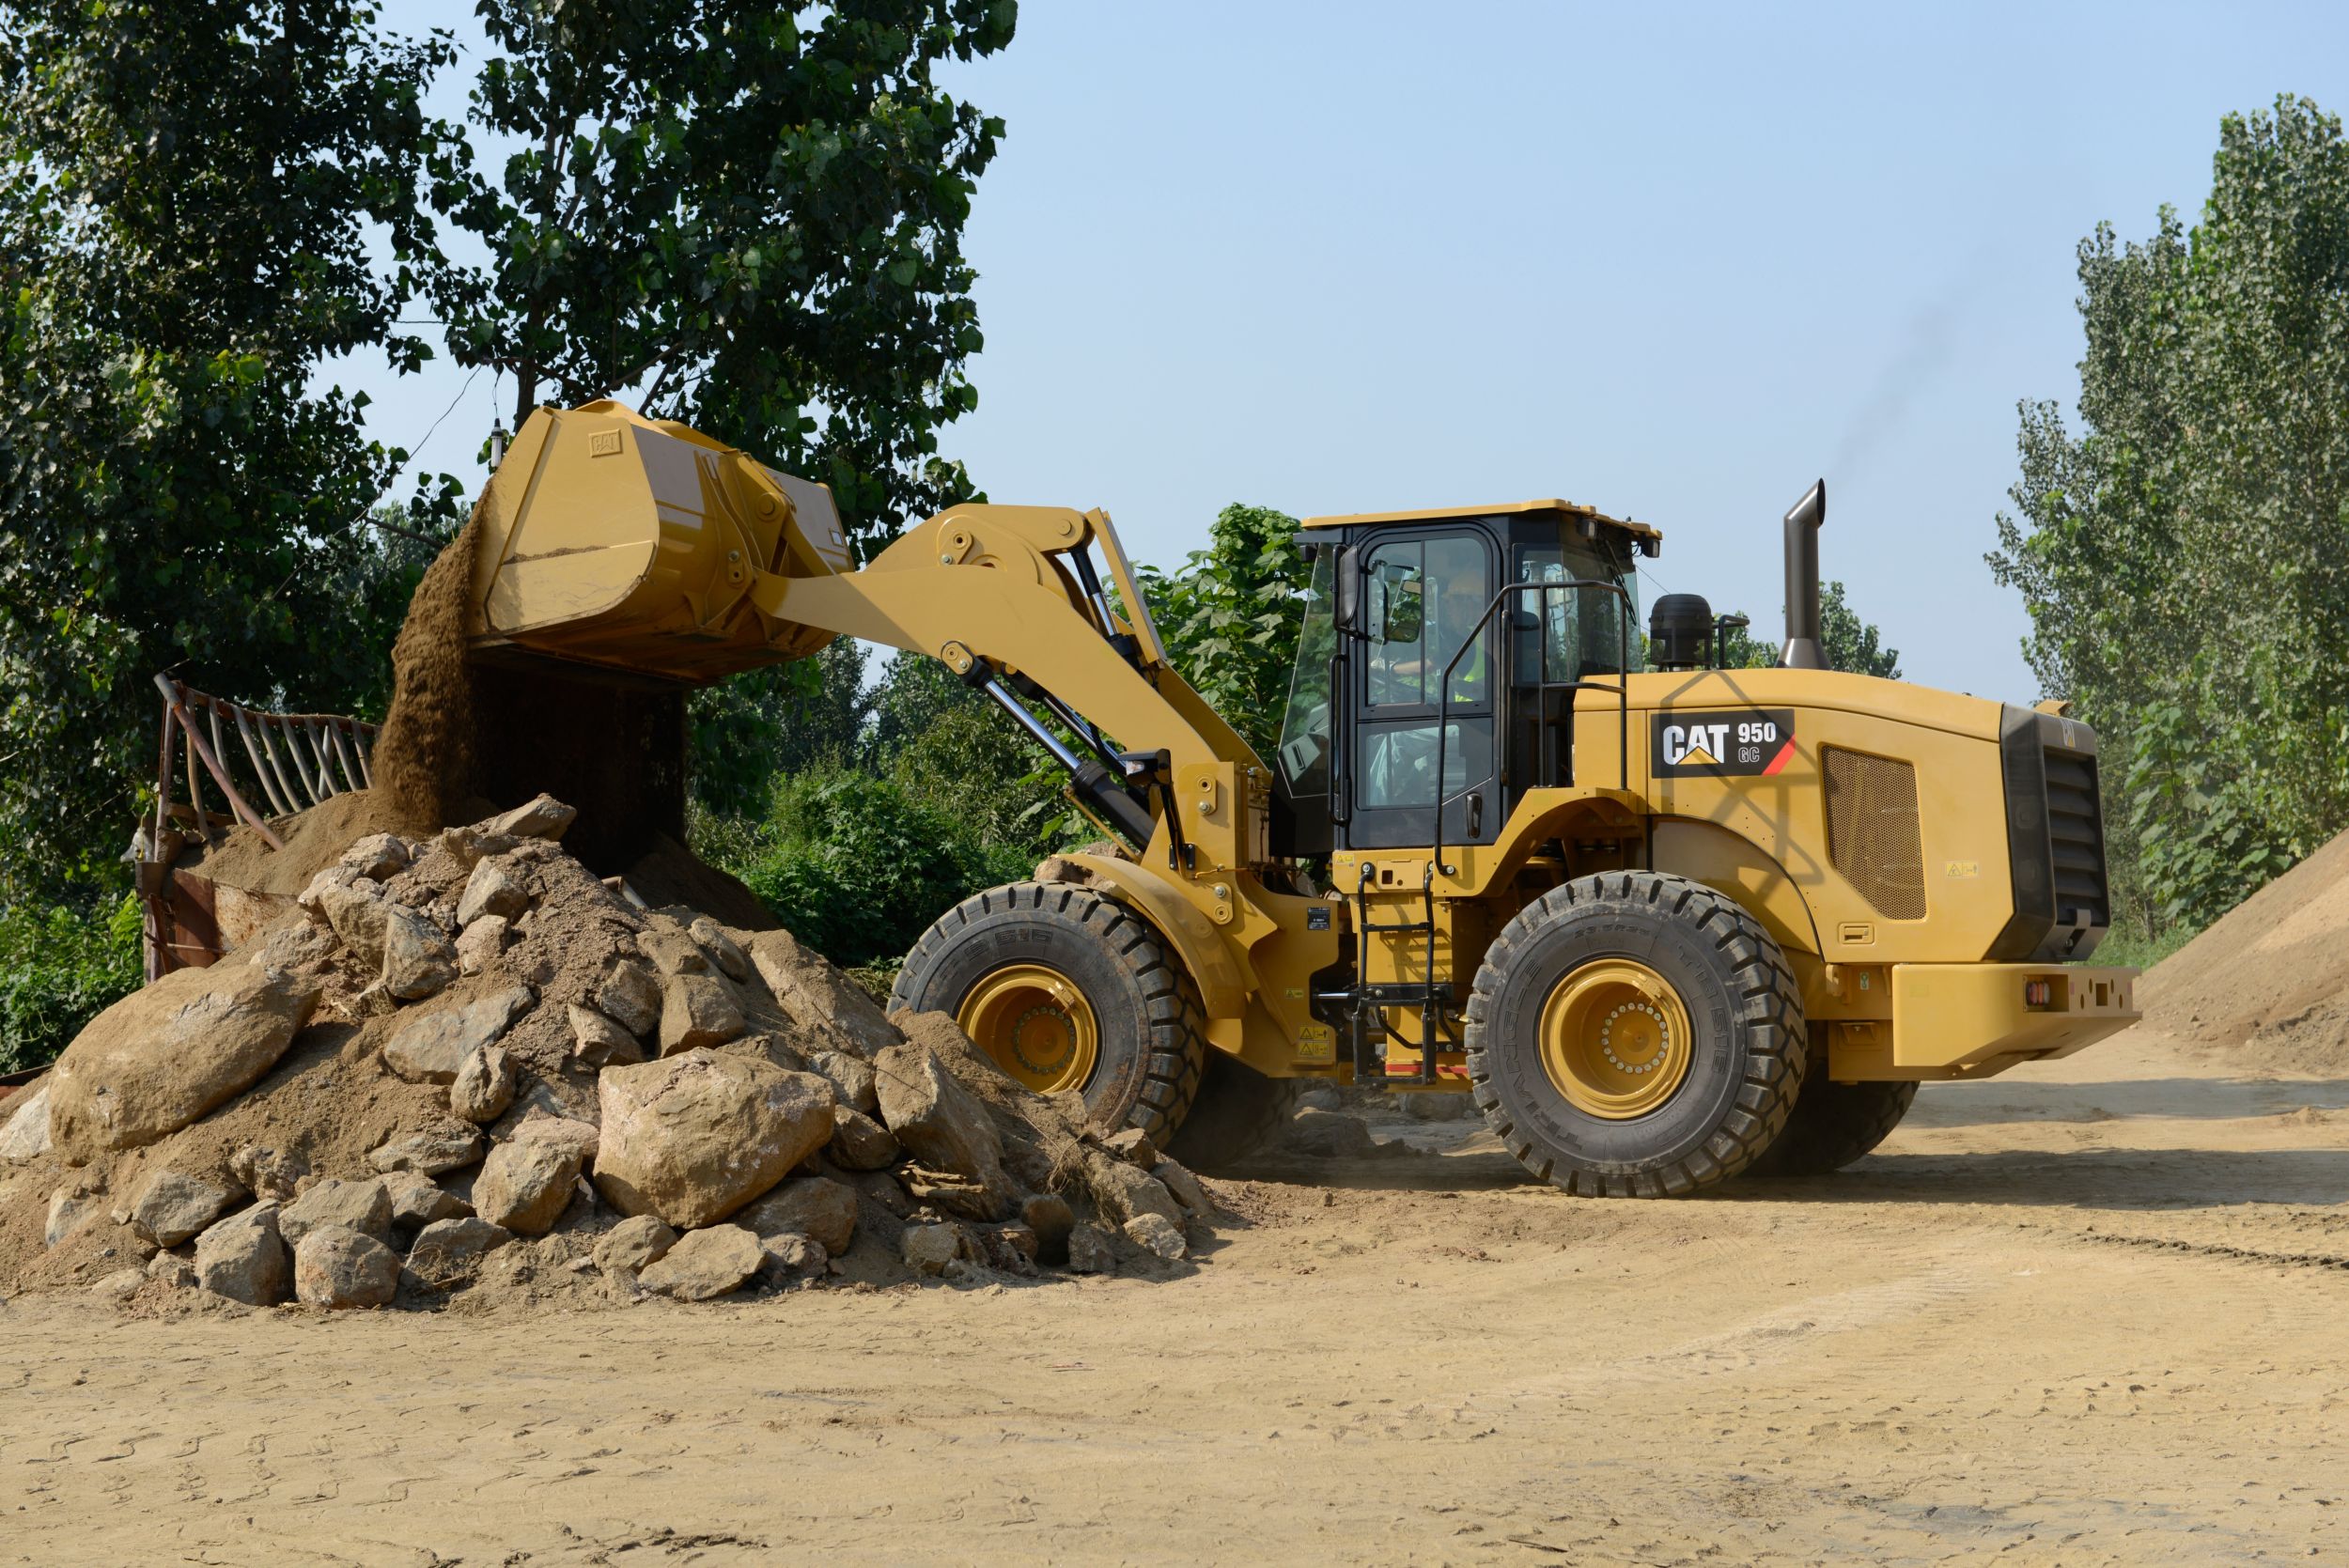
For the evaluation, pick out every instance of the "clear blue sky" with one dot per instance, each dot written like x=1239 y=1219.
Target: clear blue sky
x=1674 y=263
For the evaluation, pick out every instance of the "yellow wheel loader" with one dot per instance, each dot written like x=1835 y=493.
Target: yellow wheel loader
x=1667 y=921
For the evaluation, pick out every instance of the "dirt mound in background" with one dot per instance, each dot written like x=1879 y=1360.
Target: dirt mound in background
x=2267 y=986
x=423 y=756
x=314 y=839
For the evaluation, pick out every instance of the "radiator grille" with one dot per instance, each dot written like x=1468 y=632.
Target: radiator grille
x=2076 y=840
x=1872 y=835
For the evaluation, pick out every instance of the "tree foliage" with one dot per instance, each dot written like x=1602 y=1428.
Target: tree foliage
x=753 y=212
x=1845 y=641
x=1229 y=617
x=2184 y=553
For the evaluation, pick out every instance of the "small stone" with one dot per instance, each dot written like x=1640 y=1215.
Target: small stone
x=482 y=942
x=431 y=1152
x=120 y=1283
x=431 y=1048
x=727 y=952
x=447 y=1251
x=312 y=898
x=525 y=1185
x=633 y=1244
x=26 y=1135
x=705 y=1263
x=484 y=1086
x=630 y=995
x=1177 y=1179
x=931 y=1249
x=815 y=1206
x=544 y=816
x=793 y=1256
x=1330 y=1135
x=173 y=1207
x=1090 y=1251
x=1011 y=1243
x=172 y=1270
x=598 y=1041
x=243 y=1258
x=419 y=1201
x=670 y=947
x=1133 y=1146
x=337 y=1266
x=492 y=889
x=71 y=1207
x=861 y=1143
x=1126 y=1191
x=1049 y=1215
x=362 y=1206
x=1157 y=1234
x=377 y=857
x=274 y=1175
x=583 y=1138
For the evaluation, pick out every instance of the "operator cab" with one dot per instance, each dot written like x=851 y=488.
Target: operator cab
x=1434 y=669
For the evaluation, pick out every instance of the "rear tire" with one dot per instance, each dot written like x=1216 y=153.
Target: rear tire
x=1117 y=987
x=1237 y=1113
x=1833 y=1124
x=1635 y=1034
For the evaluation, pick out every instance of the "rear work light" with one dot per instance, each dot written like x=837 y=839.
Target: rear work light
x=2039 y=993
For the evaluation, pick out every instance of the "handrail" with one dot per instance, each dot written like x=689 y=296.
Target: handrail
x=1622 y=688
x=260 y=731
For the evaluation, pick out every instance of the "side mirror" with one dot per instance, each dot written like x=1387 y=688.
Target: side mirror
x=1350 y=586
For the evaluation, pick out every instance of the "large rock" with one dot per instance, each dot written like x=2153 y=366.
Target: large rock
x=431 y=1048
x=525 y=1185
x=543 y=816
x=697 y=1010
x=704 y=1264
x=818 y=997
x=1330 y=1135
x=26 y=1133
x=173 y=1206
x=1125 y=1192
x=418 y=961
x=419 y=1201
x=598 y=1041
x=584 y=1136
x=492 y=890
x=932 y=1249
x=942 y=1123
x=484 y=1086
x=358 y=911
x=434 y=1151
x=162 y=1057
x=861 y=1143
x=71 y=1207
x=723 y=950
x=852 y=1077
x=479 y=944
x=362 y=1206
x=378 y=857
x=337 y=1266
x=813 y=1206
x=693 y=1138
x=268 y=1172
x=632 y=995
x=670 y=947
x=448 y=1252
x=243 y=1258
x=1157 y=1234
x=1186 y=1188
x=634 y=1243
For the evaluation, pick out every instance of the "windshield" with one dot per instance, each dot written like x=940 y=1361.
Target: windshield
x=1304 y=759
x=1573 y=632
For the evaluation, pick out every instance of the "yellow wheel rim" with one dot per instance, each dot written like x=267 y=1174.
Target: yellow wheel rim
x=1615 y=1039
x=1036 y=1025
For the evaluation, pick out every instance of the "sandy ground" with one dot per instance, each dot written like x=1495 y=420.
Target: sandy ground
x=2093 y=1313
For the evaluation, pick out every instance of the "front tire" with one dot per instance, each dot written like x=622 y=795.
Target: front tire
x=1834 y=1124
x=1064 y=989
x=1239 y=1113
x=1635 y=1034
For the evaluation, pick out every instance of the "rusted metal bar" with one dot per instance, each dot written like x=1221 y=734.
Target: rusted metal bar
x=211 y=764
x=335 y=733
x=260 y=770
x=320 y=731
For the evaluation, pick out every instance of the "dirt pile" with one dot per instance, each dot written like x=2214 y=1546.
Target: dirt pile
x=423 y=757
x=2267 y=986
x=464 y=1070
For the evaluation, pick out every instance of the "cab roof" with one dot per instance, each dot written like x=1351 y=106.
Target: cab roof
x=1648 y=537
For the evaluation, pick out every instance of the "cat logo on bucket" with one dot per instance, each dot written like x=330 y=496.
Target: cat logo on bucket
x=1737 y=742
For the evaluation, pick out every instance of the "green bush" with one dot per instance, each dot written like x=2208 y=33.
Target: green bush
x=59 y=967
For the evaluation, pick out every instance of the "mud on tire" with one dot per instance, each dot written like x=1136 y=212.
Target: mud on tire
x=1748 y=1047
x=1152 y=1034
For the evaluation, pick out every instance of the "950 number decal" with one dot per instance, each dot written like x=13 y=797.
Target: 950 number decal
x=1744 y=742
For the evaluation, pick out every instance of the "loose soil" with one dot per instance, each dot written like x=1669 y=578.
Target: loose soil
x=423 y=755
x=2090 y=1312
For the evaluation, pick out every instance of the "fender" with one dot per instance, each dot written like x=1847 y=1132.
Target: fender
x=1222 y=987
x=1718 y=858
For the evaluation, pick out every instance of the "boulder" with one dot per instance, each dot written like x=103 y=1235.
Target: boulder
x=693 y=1138
x=362 y=1206
x=1133 y=1146
x=377 y=857
x=299 y=948
x=431 y=1048
x=722 y=949
x=164 y=1056
x=492 y=890
x=813 y=1206
x=861 y=1143
x=447 y=1251
x=335 y=1265
x=598 y=1041
x=543 y=816
x=704 y=1264
x=793 y=1256
x=584 y=1138
x=670 y=947
x=358 y=913
x=418 y=961
x=852 y=1077
x=1010 y=1246
x=696 y=1010
x=818 y=997
x=274 y=1175
x=1124 y=1191
x=432 y=1152
x=173 y=1206
x=1330 y=1135
x=484 y=1086
x=1155 y=1232
x=482 y=942
x=120 y=1284
x=243 y=1258
x=470 y=847
x=172 y=1270
x=633 y=1243
x=931 y=1249
x=24 y=1135
x=1090 y=1251
x=419 y=1201
x=71 y=1207
x=941 y=1123
x=525 y=1185
x=1185 y=1188
x=630 y=995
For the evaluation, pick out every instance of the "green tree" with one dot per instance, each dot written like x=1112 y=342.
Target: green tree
x=753 y=212
x=1845 y=640
x=762 y=724
x=186 y=192
x=1231 y=615
x=2185 y=555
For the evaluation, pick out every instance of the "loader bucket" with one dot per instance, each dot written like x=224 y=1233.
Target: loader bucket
x=628 y=545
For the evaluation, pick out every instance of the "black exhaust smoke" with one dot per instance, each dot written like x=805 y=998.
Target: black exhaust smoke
x=1803 y=582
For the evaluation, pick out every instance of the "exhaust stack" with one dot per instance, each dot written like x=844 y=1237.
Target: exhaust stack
x=1803 y=582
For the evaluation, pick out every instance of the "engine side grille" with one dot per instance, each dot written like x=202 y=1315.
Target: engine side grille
x=1871 y=833
x=2076 y=840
